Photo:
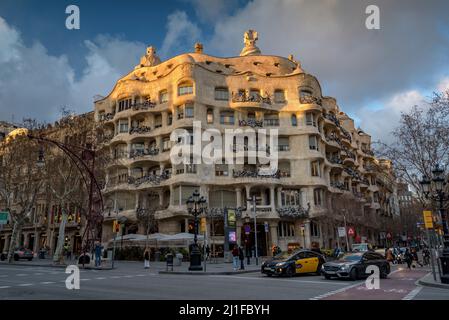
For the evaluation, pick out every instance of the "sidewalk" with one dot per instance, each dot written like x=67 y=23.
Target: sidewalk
x=48 y=262
x=428 y=281
x=212 y=268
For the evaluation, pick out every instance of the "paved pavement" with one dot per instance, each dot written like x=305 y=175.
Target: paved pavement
x=130 y=281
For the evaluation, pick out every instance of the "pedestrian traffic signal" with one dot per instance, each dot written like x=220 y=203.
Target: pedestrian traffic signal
x=116 y=226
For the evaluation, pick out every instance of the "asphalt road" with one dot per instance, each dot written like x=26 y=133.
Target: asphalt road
x=131 y=281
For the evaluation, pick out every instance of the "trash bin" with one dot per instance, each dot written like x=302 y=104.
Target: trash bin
x=178 y=260
x=169 y=260
x=157 y=256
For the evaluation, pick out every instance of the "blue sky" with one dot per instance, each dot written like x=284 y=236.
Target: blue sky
x=373 y=74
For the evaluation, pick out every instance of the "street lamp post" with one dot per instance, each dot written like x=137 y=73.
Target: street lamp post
x=195 y=206
x=440 y=196
x=256 y=253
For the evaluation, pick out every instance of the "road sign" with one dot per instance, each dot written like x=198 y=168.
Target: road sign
x=341 y=232
x=231 y=218
x=247 y=229
x=266 y=226
x=203 y=225
x=4 y=217
x=428 y=219
x=116 y=226
x=351 y=231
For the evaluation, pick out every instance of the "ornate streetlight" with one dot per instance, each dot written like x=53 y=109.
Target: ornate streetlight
x=195 y=205
x=438 y=182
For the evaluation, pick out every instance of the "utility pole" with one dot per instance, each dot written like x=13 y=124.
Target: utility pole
x=255 y=231
x=346 y=232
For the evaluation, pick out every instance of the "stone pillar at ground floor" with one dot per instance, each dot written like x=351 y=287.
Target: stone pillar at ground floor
x=273 y=235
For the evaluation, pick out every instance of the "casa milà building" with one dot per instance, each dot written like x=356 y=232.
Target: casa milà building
x=322 y=156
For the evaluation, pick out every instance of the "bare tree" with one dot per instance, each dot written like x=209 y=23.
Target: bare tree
x=421 y=141
x=20 y=180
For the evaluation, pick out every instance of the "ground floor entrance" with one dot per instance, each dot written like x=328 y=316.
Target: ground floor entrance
x=248 y=240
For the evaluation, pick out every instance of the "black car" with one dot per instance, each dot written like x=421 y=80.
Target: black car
x=353 y=265
x=289 y=264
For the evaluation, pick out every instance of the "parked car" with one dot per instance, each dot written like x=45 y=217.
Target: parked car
x=361 y=247
x=289 y=264
x=353 y=265
x=19 y=253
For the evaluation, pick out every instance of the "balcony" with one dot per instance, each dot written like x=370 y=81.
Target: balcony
x=139 y=130
x=254 y=174
x=368 y=152
x=338 y=185
x=284 y=147
x=153 y=179
x=250 y=123
x=106 y=117
x=271 y=122
x=335 y=160
x=293 y=212
x=148 y=104
x=253 y=97
x=310 y=100
x=332 y=117
x=143 y=153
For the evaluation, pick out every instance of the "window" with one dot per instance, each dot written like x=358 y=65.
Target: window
x=169 y=119
x=185 y=88
x=283 y=144
x=315 y=165
x=123 y=126
x=210 y=116
x=188 y=108
x=294 y=120
x=291 y=197
x=313 y=143
x=222 y=94
x=304 y=93
x=318 y=197
x=180 y=112
x=221 y=170
x=158 y=121
x=271 y=120
x=286 y=229
x=314 y=229
x=124 y=104
x=284 y=169
x=166 y=144
x=310 y=119
x=227 y=117
x=279 y=96
x=163 y=96
x=254 y=94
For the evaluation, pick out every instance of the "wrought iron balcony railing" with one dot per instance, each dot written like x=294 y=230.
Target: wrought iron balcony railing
x=250 y=123
x=139 y=130
x=141 y=153
x=148 y=104
x=310 y=99
x=152 y=178
x=252 y=97
x=293 y=212
x=254 y=174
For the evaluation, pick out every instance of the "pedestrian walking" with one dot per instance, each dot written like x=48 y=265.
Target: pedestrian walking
x=69 y=253
x=408 y=258
x=235 y=258
x=415 y=258
x=389 y=255
x=426 y=256
x=241 y=258
x=98 y=248
x=146 y=258
x=207 y=252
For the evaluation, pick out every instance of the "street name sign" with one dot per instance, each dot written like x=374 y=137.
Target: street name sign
x=3 y=217
x=341 y=232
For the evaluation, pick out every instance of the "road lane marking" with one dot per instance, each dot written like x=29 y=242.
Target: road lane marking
x=38 y=274
x=331 y=293
x=84 y=279
x=412 y=294
x=25 y=284
x=48 y=282
x=5 y=287
x=281 y=280
x=100 y=278
x=21 y=275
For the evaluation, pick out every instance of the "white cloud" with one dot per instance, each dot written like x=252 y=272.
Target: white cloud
x=181 y=34
x=35 y=84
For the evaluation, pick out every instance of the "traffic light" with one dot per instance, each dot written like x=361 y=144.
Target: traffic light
x=116 y=226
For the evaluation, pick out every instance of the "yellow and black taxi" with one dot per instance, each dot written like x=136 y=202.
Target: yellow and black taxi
x=289 y=264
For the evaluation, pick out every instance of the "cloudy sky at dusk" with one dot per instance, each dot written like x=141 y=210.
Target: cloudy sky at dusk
x=373 y=74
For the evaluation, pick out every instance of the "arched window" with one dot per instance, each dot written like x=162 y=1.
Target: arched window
x=294 y=120
x=185 y=88
x=210 y=116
